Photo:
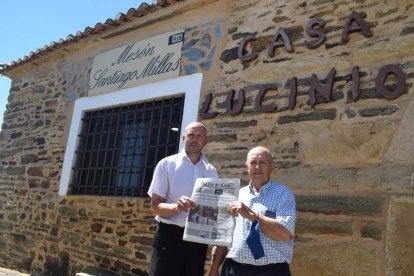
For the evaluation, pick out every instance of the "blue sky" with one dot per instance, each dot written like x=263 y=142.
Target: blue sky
x=27 y=25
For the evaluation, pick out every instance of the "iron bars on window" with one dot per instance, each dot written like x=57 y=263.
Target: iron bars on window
x=119 y=147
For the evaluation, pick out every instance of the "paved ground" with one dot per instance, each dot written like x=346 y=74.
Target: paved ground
x=8 y=272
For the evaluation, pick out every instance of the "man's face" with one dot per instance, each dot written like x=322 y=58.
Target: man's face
x=195 y=138
x=259 y=166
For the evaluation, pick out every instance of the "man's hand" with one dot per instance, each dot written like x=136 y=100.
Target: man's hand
x=213 y=272
x=269 y=226
x=162 y=209
x=239 y=208
x=217 y=256
x=185 y=203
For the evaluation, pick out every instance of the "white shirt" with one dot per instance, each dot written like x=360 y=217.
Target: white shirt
x=175 y=176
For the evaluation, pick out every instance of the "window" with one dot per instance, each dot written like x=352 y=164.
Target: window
x=119 y=147
x=116 y=139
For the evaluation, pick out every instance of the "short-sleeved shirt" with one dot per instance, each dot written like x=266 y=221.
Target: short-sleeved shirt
x=276 y=201
x=175 y=176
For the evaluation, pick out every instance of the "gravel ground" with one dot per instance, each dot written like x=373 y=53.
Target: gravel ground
x=8 y=272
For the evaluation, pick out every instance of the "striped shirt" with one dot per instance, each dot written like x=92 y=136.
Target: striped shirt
x=276 y=201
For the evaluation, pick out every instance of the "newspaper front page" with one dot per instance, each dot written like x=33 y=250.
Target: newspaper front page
x=210 y=222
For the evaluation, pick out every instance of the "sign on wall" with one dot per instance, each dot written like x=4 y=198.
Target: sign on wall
x=157 y=58
x=354 y=23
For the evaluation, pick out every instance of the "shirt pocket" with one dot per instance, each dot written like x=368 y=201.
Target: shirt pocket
x=270 y=214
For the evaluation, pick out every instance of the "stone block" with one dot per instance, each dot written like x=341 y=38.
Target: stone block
x=122 y=265
x=28 y=158
x=108 y=213
x=68 y=235
x=96 y=227
x=67 y=211
x=229 y=55
x=400 y=236
x=120 y=250
x=6 y=226
x=378 y=110
x=329 y=114
x=340 y=258
x=401 y=148
x=138 y=271
x=340 y=144
x=344 y=205
x=9 y=152
x=100 y=245
x=343 y=180
x=372 y=230
x=323 y=227
x=223 y=138
x=35 y=171
x=140 y=255
x=141 y=240
x=239 y=124
x=11 y=170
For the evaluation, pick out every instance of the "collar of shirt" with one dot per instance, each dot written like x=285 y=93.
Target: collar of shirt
x=262 y=189
x=182 y=157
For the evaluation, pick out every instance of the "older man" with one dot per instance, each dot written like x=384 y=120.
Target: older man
x=170 y=192
x=263 y=236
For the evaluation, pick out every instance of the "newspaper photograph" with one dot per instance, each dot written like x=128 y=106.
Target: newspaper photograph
x=210 y=222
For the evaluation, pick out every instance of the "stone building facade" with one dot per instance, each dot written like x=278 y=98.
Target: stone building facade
x=326 y=85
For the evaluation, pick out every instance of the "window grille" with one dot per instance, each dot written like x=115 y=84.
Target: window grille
x=119 y=147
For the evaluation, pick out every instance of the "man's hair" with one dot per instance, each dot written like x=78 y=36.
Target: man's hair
x=195 y=124
x=262 y=149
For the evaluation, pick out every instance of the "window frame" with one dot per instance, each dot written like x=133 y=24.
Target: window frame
x=189 y=86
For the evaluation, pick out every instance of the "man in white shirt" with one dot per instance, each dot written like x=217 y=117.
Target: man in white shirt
x=170 y=192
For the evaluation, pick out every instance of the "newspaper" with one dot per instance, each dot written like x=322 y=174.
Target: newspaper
x=210 y=222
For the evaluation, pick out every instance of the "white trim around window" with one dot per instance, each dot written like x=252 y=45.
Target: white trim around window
x=189 y=86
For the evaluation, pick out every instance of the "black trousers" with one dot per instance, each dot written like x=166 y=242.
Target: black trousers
x=171 y=256
x=233 y=268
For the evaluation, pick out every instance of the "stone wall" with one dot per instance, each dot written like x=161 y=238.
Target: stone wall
x=42 y=232
x=350 y=163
